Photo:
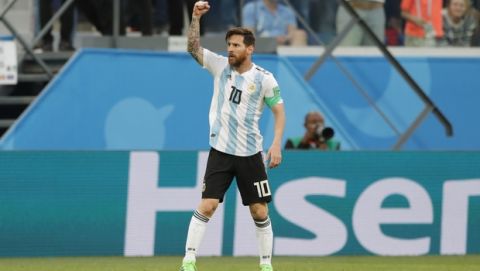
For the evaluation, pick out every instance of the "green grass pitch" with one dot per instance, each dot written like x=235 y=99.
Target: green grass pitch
x=330 y=263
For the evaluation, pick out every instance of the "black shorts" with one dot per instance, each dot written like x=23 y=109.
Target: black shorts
x=249 y=172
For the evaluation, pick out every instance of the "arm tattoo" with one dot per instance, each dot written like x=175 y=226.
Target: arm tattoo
x=194 y=39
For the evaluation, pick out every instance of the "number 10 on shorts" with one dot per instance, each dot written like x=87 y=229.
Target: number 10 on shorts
x=262 y=188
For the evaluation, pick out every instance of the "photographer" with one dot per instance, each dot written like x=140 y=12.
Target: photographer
x=317 y=136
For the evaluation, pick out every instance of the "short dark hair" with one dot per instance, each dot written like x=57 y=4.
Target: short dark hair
x=311 y=113
x=248 y=36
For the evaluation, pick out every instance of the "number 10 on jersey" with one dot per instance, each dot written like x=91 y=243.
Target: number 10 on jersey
x=235 y=95
x=262 y=188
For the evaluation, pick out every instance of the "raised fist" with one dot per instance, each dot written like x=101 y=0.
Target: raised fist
x=200 y=8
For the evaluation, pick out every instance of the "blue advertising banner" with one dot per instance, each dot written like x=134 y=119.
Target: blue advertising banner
x=124 y=100
x=324 y=203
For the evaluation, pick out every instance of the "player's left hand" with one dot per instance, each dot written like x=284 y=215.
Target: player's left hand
x=200 y=8
x=274 y=156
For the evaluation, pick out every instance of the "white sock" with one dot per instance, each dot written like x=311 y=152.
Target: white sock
x=196 y=230
x=264 y=232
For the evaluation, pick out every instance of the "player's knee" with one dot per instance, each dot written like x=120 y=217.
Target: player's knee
x=259 y=211
x=208 y=207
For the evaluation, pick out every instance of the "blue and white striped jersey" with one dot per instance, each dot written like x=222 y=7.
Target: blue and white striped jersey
x=237 y=104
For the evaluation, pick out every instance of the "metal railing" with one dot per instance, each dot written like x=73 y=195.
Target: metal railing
x=430 y=106
x=29 y=47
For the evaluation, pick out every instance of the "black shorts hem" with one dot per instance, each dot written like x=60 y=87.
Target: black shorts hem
x=220 y=198
x=267 y=200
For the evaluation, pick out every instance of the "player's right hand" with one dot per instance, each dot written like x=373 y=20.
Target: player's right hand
x=200 y=8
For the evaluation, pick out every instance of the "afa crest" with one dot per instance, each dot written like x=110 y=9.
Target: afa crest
x=251 y=88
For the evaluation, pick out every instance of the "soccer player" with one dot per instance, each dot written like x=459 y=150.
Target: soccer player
x=241 y=89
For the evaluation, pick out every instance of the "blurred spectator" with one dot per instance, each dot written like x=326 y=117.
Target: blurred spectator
x=176 y=15
x=372 y=12
x=222 y=16
x=473 y=3
x=100 y=14
x=322 y=19
x=393 y=32
x=316 y=137
x=160 y=16
x=302 y=7
x=139 y=14
x=268 y=18
x=66 y=27
x=394 y=27
x=230 y=13
x=392 y=9
x=170 y=14
x=458 y=23
x=476 y=35
x=423 y=22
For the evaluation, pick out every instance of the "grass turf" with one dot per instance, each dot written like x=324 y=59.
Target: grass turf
x=331 y=263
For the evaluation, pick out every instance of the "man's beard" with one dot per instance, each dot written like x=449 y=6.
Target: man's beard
x=236 y=61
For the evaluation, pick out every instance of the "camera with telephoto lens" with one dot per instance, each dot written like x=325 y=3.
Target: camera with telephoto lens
x=323 y=134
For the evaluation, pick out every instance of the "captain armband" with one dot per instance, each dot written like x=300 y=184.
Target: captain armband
x=275 y=99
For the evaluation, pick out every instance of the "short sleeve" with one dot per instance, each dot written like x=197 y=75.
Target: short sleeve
x=272 y=92
x=213 y=62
